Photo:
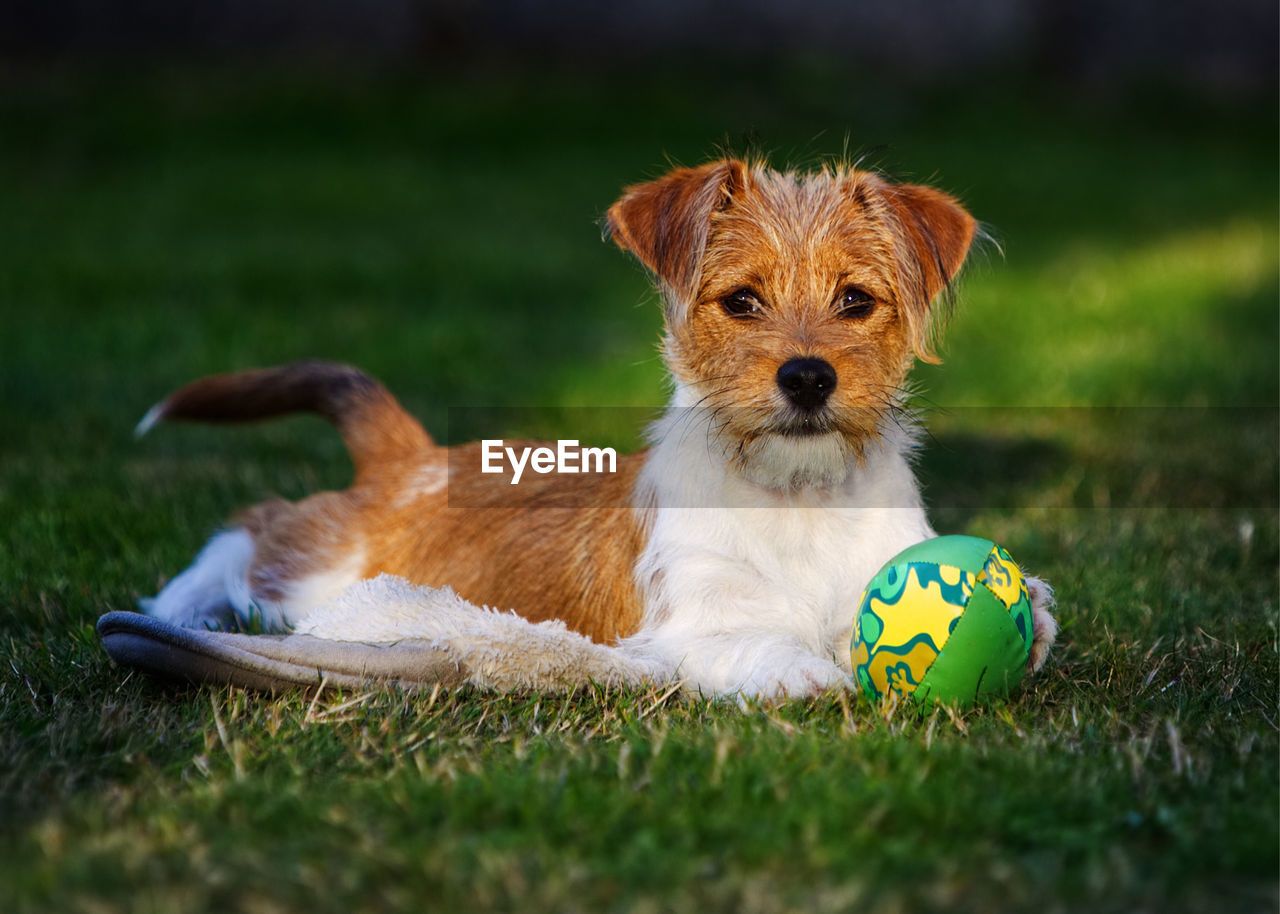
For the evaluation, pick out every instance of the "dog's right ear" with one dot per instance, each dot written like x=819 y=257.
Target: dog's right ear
x=665 y=223
x=935 y=233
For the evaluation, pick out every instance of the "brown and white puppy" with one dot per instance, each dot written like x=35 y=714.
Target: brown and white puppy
x=733 y=551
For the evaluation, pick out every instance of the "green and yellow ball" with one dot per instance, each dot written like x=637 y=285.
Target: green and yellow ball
x=948 y=619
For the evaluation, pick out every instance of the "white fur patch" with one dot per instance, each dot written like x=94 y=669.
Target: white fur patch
x=313 y=590
x=428 y=479
x=789 y=462
x=148 y=422
x=214 y=590
x=496 y=650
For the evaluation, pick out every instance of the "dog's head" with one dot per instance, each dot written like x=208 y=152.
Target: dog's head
x=794 y=302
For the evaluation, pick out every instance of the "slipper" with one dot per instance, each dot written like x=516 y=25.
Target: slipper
x=270 y=663
x=383 y=630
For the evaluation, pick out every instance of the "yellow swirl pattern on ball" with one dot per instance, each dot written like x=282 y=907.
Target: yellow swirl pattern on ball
x=1003 y=577
x=901 y=673
x=913 y=616
x=932 y=611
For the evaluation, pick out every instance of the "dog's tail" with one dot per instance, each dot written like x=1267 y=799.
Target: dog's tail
x=375 y=428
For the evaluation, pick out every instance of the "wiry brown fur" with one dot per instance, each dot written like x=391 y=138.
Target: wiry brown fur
x=503 y=548
x=795 y=241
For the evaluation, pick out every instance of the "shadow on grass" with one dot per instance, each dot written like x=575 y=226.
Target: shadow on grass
x=1183 y=457
x=966 y=473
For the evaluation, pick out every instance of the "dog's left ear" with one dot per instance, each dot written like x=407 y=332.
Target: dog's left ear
x=935 y=233
x=665 y=223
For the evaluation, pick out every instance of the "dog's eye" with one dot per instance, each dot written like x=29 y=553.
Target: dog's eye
x=855 y=302
x=742 y=303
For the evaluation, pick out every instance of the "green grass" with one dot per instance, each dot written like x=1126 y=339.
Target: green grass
x=441 y=232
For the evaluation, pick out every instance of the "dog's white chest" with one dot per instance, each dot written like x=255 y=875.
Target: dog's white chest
x=726 y=558
x=798 y=571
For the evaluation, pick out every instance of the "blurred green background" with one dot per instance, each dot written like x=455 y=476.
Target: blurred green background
x=437 y=223
x=426 y=204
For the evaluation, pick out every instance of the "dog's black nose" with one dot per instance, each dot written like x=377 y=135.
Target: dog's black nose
x=807 y=382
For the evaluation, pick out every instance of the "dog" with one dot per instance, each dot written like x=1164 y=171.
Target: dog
x=733 y=550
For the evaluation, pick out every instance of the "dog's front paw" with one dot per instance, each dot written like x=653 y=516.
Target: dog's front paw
x=1044 y=627
x=800 y=675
